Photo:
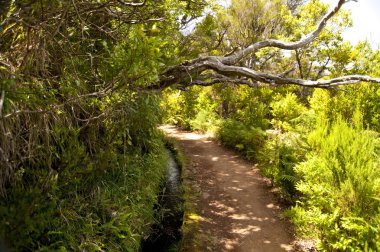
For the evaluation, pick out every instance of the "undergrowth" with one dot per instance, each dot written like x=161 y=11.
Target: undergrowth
x=340 y=204
x=91 y=188
x=246 y=139
x=87 y=209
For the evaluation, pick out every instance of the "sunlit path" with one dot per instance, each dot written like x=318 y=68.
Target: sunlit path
x=235 y=211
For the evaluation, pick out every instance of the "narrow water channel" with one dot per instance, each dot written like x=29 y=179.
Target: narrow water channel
x=173 y=197
x=166 y=235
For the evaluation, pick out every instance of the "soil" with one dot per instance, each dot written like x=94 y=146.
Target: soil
x=232 y=207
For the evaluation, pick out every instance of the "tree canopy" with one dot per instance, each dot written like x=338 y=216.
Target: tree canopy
x=226 y=68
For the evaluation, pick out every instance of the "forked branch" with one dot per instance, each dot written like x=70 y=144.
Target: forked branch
x=192 y=72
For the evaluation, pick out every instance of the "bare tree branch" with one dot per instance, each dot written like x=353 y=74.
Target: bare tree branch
x=299 y=63
x=286 y=72
x=211 y=79
x=282 y=44
x=131 y=3
x=323 y=68
x=2 y=98
x=192 y=72
x=277 y=79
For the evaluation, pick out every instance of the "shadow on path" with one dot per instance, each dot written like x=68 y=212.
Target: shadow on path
x=235 y=211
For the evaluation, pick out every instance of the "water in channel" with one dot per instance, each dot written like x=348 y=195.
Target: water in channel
x=166 y=235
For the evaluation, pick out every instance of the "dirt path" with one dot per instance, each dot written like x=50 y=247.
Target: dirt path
x=231 y=208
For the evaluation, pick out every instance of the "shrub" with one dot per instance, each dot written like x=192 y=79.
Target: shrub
x=205 y=121
x=285 y=111
x=341 y=188
x=278 y=157
x=286 y=145
x=90 y=188
x=246 y=139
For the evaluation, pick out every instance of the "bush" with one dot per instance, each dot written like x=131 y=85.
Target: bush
x=246 y=139
x=285 y=111
x=205 y=121
x=278 y=157
x=341 y=189
x=286 y=145
x=84 y=210
x=90 y=187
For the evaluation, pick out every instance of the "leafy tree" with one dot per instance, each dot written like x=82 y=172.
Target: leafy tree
x=81 y=159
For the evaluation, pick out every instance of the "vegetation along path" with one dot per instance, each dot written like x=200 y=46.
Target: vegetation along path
x=233 y=209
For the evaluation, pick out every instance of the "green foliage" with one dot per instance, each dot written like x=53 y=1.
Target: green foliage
x=246 y=139
x=81 y=159
x=205 y=121
x=206 y=118
x=91 y=188
x=286 y=145
x=251 y=21
x=179 y=107
x=87 y=212
x=194 y=109
x=285 y=111
x=362 y=97
x=250 y=106
x=208 y=36
x=279 y=155
x=324 y=164
x=340 y=187
x=96 y=210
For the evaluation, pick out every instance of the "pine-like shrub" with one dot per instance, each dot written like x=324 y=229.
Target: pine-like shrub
x=285 y=146
x=340 y=185
x=285 y=111
x=281 y=152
